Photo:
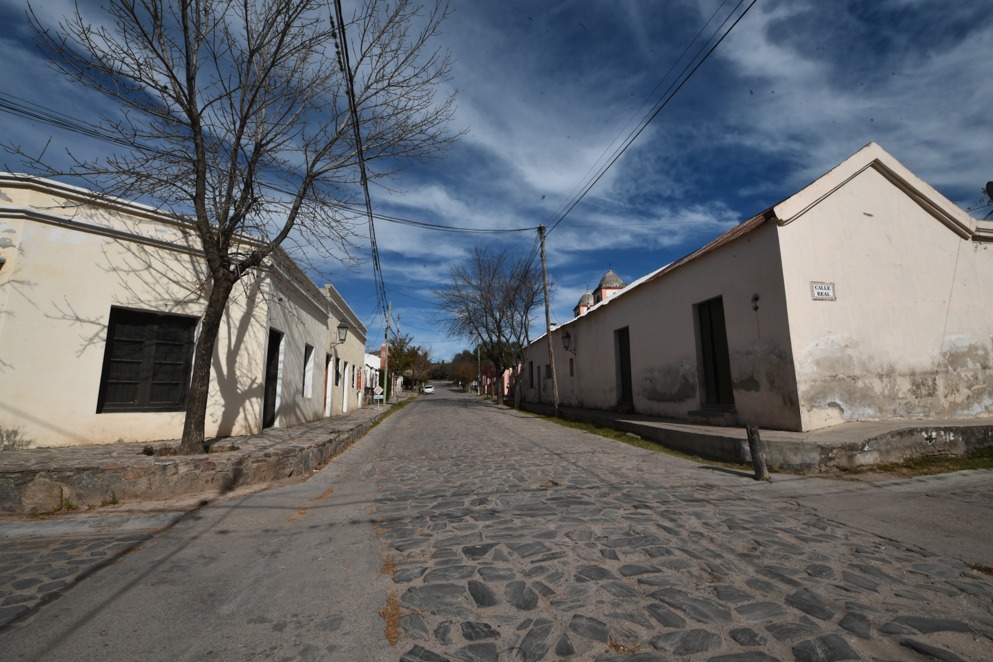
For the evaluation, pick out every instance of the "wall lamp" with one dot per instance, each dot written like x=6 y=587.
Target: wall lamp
x=567 y=342
x=342 y=333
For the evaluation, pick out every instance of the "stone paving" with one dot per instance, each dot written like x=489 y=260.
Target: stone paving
x=34 y=571
x=510 y=538
x=38 y=567
x=518 y=549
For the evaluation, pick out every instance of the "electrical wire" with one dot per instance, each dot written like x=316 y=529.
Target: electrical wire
x=35 y=112
x=656 y=109
x=634 y=115
x=346 y=69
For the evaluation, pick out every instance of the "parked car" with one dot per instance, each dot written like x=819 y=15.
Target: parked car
x=428 y=389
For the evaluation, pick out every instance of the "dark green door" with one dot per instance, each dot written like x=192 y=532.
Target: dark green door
x=714 y=354
x=622 y=352
x=271 y=379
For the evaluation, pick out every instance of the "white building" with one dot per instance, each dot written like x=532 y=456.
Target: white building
x=865 y=296
x=99 y=305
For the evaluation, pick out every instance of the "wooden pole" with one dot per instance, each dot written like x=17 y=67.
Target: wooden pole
x=757 y=449
x=548 y=322
x=386 y=361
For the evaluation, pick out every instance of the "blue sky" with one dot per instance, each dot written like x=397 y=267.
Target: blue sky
x=546 y=88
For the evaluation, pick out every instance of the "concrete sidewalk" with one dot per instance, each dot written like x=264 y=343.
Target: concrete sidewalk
x=863 y=443
x=48 y=480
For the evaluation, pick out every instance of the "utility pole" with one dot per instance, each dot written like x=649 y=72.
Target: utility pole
x=479 y=373
x=548 y=323
x=386 y=361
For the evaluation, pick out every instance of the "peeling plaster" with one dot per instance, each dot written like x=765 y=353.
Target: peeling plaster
x=845 y=382
x=762 y=366
x=673 y=383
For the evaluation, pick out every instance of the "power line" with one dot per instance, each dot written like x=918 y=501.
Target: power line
x=656 y=109
x=593 y=168
x=37 y=112
x=346 y=69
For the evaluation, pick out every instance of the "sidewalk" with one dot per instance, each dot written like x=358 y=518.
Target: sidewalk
x=863 y=443
x=46 y=480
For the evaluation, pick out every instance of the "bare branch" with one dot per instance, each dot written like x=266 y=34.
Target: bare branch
x=234 y=114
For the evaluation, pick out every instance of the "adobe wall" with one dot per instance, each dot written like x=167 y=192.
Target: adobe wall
x=908 y=332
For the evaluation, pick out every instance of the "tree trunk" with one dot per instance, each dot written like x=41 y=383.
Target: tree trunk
x=517 y=389
x=196 y=400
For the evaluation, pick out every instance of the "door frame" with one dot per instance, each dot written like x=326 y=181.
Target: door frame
x=622 y=359
x=716 y=389
x=273 y=373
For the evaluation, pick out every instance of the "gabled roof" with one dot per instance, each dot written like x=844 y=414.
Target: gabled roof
x=871 y=156
x=875 y=157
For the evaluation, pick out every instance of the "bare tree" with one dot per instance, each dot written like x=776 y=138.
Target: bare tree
x=490 y=300
x=235 y=114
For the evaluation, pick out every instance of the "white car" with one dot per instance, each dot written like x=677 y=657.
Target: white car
x=429 y=389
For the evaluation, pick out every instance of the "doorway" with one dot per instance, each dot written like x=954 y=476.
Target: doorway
x=715 y=360
x=328 y=376
x=270 y=399
x=622 y=357
x=344 y=387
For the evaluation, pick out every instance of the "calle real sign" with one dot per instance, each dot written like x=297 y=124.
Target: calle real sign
x=821 y=291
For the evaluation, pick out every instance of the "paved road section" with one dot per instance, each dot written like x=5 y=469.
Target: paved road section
x=459 y=530
x=527 y=541
x=951 y=514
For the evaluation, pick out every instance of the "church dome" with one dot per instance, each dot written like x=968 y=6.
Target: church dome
x=611 y=281
x=586 y=299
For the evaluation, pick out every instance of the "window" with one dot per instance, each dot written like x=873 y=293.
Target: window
x=308 y=371
x=531 y=374
x=147 y=361
x=572 y=368
x=548 y=371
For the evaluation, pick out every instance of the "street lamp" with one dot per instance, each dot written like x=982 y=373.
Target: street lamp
x=567 y=342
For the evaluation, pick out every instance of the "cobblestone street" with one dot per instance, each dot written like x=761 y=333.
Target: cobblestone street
x=536 y=543
x=460 y=530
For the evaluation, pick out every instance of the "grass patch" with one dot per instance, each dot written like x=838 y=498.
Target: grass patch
x=928 y=465
x=11 y=439
x=389 y=412
x=230 y=448
x=161 y=451
x=636 y=441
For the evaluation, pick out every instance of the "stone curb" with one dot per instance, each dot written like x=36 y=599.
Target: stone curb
x=898 y=445
x=144 y=478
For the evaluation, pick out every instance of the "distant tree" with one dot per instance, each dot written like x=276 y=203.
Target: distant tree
x=408 y=359
x=401 y=354
x=236 y=115
x=490 y=300
x=464 y=369
x=441 y=371
x=421 y=367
